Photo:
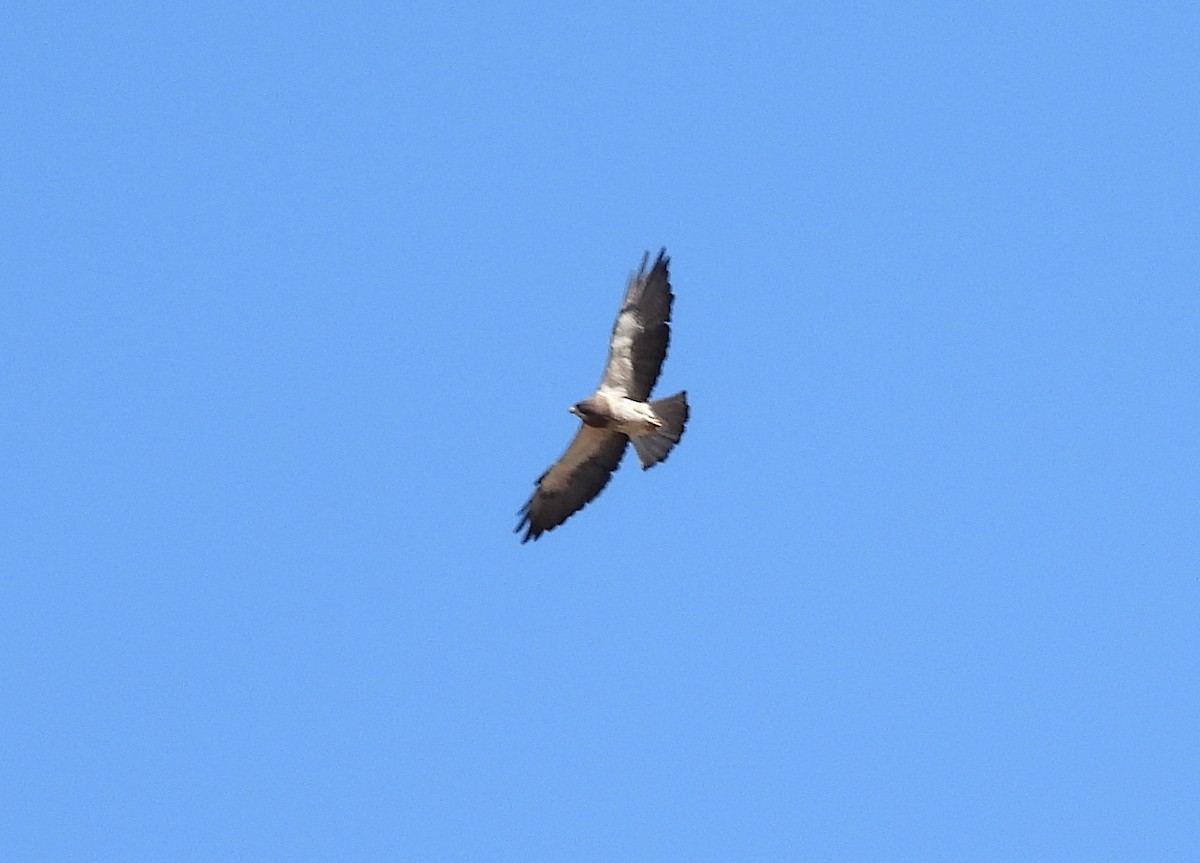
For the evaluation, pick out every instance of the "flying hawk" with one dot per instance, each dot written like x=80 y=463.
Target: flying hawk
x=619 y=411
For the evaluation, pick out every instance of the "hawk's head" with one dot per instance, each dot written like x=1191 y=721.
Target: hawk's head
x=588 y=411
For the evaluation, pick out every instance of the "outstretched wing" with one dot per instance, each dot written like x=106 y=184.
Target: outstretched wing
x=639 y=339
x=571 y=483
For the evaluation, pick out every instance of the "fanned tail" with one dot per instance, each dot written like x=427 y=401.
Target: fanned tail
x=653 y=448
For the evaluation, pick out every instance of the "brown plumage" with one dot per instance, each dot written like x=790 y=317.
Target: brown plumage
x=619 y=411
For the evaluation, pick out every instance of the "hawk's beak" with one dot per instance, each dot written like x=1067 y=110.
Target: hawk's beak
x=573 y=410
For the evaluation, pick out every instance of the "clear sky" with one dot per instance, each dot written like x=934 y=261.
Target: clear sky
x=295 y=298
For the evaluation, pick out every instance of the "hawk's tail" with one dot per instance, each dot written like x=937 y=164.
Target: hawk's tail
x=653 y=448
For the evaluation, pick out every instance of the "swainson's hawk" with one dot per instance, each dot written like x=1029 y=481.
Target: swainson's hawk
x=619 y=411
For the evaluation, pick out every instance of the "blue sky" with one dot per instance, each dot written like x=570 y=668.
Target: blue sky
x=295 y=298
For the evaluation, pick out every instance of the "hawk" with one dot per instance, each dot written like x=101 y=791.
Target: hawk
x=619 y=412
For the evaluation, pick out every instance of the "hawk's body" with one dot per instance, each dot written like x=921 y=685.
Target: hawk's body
x=619 y=411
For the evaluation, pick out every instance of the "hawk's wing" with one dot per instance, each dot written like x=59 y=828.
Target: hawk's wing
x=571 y=482
x=639 y=339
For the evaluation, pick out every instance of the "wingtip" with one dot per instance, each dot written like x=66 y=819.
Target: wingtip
x=663 y=259
x=526 y=525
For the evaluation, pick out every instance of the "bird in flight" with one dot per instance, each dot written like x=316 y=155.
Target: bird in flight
x=619 y=411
